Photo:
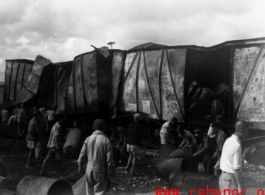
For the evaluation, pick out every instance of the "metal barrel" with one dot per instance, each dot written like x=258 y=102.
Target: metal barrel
x=165 y=150
x=72 y=145
x=74 y=176
x=183 y=180
x=201 y=183
x=166 y=167
x=79 y=188
x=35 y=185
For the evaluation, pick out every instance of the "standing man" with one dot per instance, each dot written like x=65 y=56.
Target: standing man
x=97 y=151
x=32 y=136
x=51 y=120
x=41 y=133
x=55 y=143
x=219 y=136
x=231 y=160
x=166 y=135
x=4 y=116
x=22 y=122
x=133 y=138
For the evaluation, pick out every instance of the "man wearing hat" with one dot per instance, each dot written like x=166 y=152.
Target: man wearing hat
x=166 y=135
x=133 y=138
x=97 y=150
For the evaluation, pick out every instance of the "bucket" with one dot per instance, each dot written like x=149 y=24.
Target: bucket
x=34 y=185
x=72 y=145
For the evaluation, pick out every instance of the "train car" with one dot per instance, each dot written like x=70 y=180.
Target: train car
x=196 y=83
x=94 y=83
x=16 y=74
x=53 y=85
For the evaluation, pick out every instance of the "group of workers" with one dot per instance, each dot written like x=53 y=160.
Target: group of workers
x=219 y=152
x=221 y=156
x=44 y=127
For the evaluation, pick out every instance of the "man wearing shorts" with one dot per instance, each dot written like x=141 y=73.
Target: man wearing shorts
x=133 y=137
x=32 y=136
x=55 y=142
x=22 y=122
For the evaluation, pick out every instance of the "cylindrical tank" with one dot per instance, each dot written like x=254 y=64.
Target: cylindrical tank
x=79 y=188
x=72 y=145
x=165 y=150
x=184 y=180
x=34 y=185
x=166 y=167
x=74 y=176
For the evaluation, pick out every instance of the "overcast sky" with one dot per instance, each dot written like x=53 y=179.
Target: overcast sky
x=62 y=29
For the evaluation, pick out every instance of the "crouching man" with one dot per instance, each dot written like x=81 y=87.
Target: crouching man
x=97 y=151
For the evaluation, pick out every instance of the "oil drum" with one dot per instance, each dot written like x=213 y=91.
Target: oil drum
x=35 y=185
x=72 y=145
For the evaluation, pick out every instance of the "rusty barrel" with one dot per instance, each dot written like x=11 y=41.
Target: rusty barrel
x=166 y=167
x=72 y=145
x=186 y=180
x=35 y=185
x=79 y=188
x=73 y=176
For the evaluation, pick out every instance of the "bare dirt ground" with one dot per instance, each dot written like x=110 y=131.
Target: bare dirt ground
x=143 y=182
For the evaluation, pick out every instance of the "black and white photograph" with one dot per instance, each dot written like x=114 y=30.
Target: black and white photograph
x=138 y=97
